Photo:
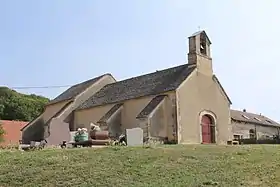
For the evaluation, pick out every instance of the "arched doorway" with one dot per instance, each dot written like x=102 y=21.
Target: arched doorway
x=208 y=129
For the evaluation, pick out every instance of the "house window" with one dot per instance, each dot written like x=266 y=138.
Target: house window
x=246 y=117
x=252 y=133
x=237 y=137
x=257 y=119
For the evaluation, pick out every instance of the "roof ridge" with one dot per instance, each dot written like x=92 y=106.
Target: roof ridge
x=247 y=112
x=73 y=91
x=254 y=115
x=91 y=79
x=152 y=83
x=151 y=73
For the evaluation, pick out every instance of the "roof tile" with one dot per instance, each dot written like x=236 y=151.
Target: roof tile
x=252 y=118
x=75 y=90
x=110 y=112
x=12 y=131
x=149 y=84
x=151 y=106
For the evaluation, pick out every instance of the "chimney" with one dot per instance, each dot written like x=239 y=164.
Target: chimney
x=244 y=110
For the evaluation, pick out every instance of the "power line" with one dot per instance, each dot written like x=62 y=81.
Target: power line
x=36 y=87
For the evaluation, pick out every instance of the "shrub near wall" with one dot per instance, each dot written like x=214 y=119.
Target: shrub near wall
x=2 y=133
x=263 y=141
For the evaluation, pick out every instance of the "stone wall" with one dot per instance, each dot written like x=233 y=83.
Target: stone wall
x=262 y=132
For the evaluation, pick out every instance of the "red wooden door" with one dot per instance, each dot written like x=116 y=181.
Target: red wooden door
x=206 y=129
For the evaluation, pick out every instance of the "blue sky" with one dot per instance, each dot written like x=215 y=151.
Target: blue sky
x=46 y=43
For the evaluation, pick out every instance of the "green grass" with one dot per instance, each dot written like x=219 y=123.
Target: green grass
x=172 y=166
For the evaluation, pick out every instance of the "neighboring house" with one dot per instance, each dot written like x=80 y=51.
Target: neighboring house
x=58 y=114
x=185 y=104
x=12 y=131
x=248 y=125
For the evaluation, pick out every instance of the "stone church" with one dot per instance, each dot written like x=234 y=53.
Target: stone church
x=183 y=104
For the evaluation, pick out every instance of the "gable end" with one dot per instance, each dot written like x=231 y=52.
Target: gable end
x=214 y=77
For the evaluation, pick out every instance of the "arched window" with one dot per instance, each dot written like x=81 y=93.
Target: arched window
x=252 y=133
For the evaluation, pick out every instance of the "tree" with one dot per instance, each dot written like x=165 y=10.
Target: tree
x=18 y=106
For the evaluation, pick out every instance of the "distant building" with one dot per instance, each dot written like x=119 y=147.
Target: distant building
x=12 y=131
x=249 y=125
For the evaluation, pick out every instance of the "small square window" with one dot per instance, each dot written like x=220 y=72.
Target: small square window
x=237 y=136
x=245 y=117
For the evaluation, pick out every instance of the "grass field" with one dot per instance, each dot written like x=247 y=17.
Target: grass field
x=172 y=166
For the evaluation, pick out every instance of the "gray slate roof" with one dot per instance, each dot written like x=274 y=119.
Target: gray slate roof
x=149 y=84
x=110 y=112
x=75 y=90
x=151 y=106
x=253 y=118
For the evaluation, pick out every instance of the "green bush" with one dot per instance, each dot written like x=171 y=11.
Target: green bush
x=22 y=107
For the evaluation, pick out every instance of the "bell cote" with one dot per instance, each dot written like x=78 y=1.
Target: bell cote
x=199 y=43
x=200 y=53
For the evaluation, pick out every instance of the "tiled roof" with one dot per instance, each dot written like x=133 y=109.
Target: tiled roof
x=149 y=84
x=75 y=90
x=12 y=131
x=110 y=112
x=252 y=118
x=151 y=106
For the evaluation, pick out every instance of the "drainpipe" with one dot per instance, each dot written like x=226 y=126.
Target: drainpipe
x=256 y=133
x=149 y=128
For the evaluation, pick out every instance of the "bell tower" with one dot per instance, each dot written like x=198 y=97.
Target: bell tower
x=199 y=52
